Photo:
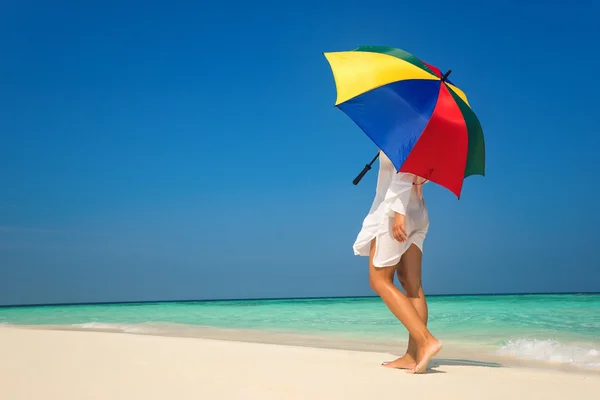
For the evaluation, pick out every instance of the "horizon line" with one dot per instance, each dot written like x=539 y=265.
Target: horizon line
x=131 y=302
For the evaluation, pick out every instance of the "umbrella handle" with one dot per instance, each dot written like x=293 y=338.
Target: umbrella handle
x=365 y=170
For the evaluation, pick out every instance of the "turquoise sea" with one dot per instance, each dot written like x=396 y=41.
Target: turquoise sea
x=560 y=329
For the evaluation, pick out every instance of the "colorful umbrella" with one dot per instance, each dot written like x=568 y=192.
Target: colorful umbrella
x=413 y=113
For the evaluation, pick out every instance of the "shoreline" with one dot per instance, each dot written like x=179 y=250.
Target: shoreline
x=471 y=354
x=72 y=364
x=147 y=302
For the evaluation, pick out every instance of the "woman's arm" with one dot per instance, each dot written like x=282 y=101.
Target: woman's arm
x=398 y=194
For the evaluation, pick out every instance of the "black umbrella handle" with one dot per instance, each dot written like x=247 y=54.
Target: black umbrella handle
x=365 y=170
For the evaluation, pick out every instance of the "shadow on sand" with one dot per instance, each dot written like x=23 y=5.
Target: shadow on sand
x=438 y=362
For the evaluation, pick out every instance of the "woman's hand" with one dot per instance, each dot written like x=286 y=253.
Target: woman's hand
x=398 y=230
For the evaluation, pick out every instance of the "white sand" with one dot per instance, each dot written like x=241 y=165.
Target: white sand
x=63 y=365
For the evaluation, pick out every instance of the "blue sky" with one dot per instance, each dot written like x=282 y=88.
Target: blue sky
x=179 y=150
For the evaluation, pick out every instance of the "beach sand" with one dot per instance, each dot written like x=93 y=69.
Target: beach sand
x=53 y=364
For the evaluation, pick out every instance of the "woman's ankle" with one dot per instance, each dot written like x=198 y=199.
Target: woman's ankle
x=425 y=338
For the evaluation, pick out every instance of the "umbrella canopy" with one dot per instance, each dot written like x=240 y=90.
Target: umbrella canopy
x=413 y=113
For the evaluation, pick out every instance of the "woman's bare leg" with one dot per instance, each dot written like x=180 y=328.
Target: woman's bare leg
x=382 y=282
x=409 y=275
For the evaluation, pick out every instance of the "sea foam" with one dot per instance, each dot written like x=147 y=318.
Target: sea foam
x=102 y=326
x=552 y=351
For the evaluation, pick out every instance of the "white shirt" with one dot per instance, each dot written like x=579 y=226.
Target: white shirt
x=395 y=193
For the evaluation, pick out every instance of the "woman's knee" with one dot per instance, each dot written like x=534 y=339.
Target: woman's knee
x=379 y=278
x=376 y=282
x=373 y=284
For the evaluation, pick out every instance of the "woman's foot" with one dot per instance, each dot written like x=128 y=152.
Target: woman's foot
x=424 y=354
x=405 y=362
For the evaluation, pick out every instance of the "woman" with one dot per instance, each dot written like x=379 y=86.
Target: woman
x=392 y=236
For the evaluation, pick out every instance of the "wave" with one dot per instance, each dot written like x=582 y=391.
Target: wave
x=146 y=328
x=103 y=326
x=552 y=351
